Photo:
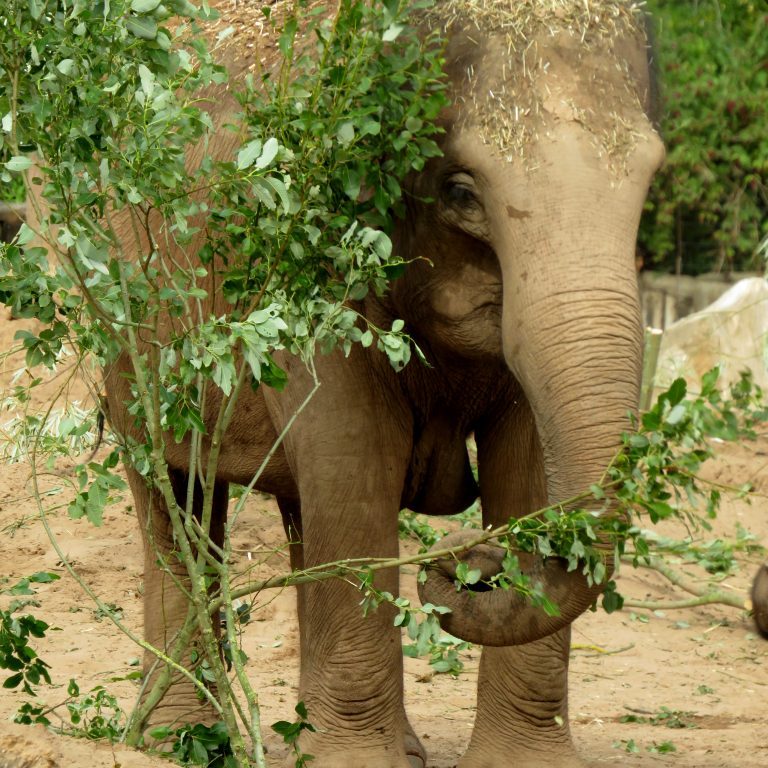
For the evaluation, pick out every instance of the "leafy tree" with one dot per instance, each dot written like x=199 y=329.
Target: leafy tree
x=101 y=104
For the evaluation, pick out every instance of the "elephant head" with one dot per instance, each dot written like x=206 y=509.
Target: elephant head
x=525 y=249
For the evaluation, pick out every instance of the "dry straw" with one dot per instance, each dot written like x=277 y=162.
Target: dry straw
x=524 y=19
x=508 y=95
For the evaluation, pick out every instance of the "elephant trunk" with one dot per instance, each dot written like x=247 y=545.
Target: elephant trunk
x=572 y=337
x=578 y=362
x=580 y=393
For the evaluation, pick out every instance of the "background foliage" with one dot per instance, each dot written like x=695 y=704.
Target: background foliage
x=708 y=208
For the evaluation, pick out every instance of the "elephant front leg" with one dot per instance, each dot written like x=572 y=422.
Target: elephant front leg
x=522 y=697
x=352 y=681
x=522 y=707
x=349 y=463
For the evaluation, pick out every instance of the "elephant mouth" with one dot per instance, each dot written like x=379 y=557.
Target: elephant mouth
x=499 y=616
x=474 y=333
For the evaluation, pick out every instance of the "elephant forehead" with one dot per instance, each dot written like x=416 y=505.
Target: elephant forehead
x=523 y=18
x=536 y=63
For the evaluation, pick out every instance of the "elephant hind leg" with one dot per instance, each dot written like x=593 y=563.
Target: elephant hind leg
x=166 y=601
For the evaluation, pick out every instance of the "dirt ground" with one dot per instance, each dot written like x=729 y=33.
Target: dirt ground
x=707 y=662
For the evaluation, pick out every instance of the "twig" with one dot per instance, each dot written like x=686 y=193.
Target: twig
x=598 y=650
x=703 y=594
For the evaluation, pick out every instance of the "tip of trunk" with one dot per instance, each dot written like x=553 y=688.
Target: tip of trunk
x=484 y=615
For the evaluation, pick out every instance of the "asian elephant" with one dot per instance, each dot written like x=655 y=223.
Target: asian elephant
x=521 y=291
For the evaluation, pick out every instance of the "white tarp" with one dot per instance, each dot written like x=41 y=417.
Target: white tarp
x=731 y=332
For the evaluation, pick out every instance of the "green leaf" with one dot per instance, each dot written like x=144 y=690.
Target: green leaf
x=18 y=163
x=13 y=681
x=273 y=375
x=346 y=133
x=370 y=128
x=676 y=391
x=35 y=8
x=265 y=193
x=392 y=33
x=248 y=154
x=283 y=727
x=278 y=186
x=43 y=577
x=66 y=67
x=144 y=6
x=143 y=27
x=598 y=573
x=268 y=154
x=352 y=181
x=285 y=42
x=147 y=80
x=676 y=415
x=199 y=753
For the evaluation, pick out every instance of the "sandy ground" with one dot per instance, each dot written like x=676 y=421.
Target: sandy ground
x=707 y=662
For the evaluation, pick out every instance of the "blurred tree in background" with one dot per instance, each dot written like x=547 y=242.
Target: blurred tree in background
x=708 y=208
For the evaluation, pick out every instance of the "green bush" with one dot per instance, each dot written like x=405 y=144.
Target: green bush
x=708 y=208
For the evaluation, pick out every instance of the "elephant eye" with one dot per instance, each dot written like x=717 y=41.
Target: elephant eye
x=461 y=195
x=462 y=206
x=458 y=191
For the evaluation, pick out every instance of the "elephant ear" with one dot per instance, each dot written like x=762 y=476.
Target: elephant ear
x=500 y=617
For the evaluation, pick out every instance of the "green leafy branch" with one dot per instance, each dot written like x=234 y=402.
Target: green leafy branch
x=196 y=275
x=16 y=654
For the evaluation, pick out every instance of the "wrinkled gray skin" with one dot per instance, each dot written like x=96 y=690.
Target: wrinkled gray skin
x=526 y=306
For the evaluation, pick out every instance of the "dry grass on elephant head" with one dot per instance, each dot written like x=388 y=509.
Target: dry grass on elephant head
x=245 y=35
x=587 y=36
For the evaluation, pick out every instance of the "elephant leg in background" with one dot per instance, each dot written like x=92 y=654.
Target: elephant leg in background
x=348 y=453
x=521 y=689
x=165 y=605
x=290 y=511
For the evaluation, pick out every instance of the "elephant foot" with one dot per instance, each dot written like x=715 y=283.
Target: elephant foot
x=475 y=758
x=333 y=755
x=357 y=758
x=414 y=750
x=760 y=600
